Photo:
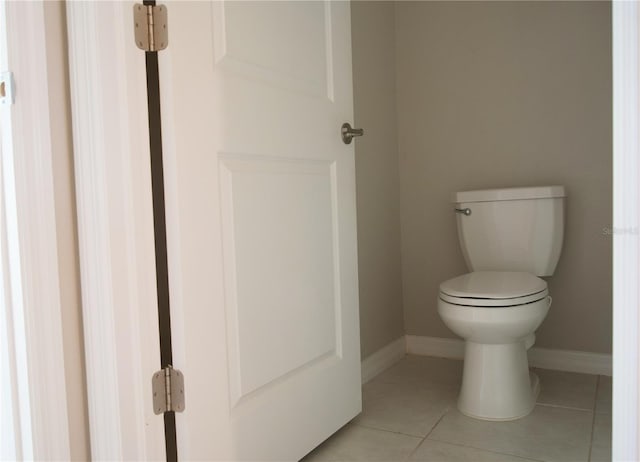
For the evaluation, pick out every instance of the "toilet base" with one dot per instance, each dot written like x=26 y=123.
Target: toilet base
x=496 y=382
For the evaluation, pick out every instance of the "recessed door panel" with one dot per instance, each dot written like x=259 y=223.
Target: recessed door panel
x=261 y=40
x=280 y=267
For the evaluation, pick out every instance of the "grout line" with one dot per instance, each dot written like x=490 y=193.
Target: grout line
x=593 y=421
x=446 y=411
x=428 y=433
x=595 y=398
x=493 y=451
x=370 y=427
x=560 y=406
x=417 y=437
x=414 y=450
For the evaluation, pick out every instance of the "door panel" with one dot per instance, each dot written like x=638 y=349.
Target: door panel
x=261 y=225
x=280 y=268
x=245 y=42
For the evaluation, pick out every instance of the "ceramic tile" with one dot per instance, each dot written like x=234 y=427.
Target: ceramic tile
x=601 y=443
x=405 y=402
x=408 y=408
x=548 y=433
x=423 y=370
x=569 y=389
x=437 y=451
x=603 y=398
x=356 y=443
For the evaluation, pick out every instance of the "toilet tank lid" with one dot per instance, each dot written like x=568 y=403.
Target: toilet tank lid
x=509 y=194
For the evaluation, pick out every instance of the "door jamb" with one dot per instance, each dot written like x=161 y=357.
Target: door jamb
x=33 y=294
x=626 y=222
x=115 y=230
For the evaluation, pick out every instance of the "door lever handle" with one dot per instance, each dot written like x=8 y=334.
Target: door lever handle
x=348 y=133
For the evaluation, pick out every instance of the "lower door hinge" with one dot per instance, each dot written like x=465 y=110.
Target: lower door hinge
x=150 y=27
x=168 y=390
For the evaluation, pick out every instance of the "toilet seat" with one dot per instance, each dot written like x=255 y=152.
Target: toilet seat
x=493 y=289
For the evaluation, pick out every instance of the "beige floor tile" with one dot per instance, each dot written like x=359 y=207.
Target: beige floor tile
x=567 y=389
x=408 y=408
x=603 y=398
x=601 y=444
x=423 y=370
x=437 y=451
x=407 y=401
x=548 y=433
x=355 y=443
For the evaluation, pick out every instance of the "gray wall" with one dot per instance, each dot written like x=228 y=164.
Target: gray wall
x=497 y=95
x=377 y=180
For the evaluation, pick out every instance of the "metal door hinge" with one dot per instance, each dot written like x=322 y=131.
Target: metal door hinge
x=168 y=390
x=150 y=27
x=6 y=88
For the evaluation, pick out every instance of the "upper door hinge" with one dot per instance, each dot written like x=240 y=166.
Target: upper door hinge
x=6 y=88
x=168 y=390
x=150 y=27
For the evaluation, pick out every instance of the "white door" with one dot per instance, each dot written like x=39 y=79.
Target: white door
x=261 y=220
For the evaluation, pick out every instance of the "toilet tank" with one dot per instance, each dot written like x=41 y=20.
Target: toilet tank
x=512 y=229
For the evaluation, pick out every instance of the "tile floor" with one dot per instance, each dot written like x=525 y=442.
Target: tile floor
x=409 y=414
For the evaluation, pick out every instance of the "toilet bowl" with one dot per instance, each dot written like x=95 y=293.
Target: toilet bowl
x=496 y=313
x=508 y=237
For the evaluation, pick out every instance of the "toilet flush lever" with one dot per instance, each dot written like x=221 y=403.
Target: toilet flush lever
x=466 y=211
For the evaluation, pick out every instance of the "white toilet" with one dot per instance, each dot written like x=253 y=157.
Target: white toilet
x=509 y=237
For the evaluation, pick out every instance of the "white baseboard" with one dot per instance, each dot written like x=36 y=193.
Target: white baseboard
x=383 y=359
x=449 y=348
x=572 y=361
x=544 y=358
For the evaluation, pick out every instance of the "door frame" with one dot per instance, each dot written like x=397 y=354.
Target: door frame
x=626 y=226
x=115 y=230
x=114 y=213
x=33 y=293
